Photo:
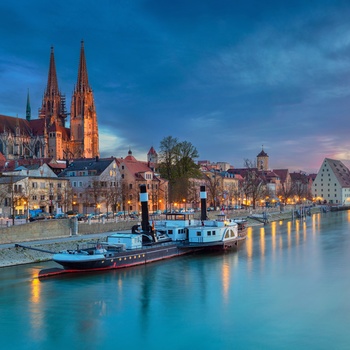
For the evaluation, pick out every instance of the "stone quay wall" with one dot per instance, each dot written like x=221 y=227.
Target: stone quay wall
x=48 y=229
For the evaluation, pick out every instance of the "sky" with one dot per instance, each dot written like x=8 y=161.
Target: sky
x=231 y=77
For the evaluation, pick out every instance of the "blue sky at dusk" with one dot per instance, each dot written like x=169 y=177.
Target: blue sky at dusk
x=228 y=76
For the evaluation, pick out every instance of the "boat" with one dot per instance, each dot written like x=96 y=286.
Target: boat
x=122 y=249
x=219 y=234
x=177 y=235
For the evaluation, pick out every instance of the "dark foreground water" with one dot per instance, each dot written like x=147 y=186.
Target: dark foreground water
x=287 y=288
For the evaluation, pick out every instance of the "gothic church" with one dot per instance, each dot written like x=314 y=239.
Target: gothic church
x=47 y=136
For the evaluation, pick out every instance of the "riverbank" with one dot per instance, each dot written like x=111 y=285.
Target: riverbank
x=11 y=255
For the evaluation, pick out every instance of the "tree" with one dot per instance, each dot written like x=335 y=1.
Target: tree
x=254 y=186
x=177 y=165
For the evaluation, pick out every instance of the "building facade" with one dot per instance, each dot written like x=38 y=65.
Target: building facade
x=332 y=183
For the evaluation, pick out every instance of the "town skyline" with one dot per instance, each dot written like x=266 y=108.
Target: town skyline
x=229 y=78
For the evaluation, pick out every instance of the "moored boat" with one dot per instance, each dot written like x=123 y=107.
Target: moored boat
x=122 y=249
x=221 y=233
x=177 y=235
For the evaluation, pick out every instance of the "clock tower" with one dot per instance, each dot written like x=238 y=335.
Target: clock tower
x=262 y=160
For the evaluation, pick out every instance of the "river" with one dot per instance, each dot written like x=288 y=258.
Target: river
x=288 y=287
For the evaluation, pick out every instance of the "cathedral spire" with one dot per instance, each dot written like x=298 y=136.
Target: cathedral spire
x=83 y=81
x=28 y=109
x=52 y=85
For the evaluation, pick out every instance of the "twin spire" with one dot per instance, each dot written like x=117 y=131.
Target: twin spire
x=52 y=85
x=82 y=81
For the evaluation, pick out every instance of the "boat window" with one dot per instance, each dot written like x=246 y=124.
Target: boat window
x=209 y=233
x=199 y=233
x=227 y=234
x=214 y=233
x=170 y=232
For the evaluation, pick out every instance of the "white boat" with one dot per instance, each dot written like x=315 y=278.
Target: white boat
x=221 y=233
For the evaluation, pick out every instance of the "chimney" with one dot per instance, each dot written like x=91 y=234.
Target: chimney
x=144 y=208
x=203 y=196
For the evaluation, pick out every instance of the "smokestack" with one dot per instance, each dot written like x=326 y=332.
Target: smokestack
x=144 y=208
x=203 y=196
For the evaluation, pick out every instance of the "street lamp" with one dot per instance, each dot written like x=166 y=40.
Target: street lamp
x=98 y=207
x=184 y=201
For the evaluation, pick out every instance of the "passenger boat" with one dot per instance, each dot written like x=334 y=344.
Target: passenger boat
x=179 y=234
x=221 y=233
x=122 y=249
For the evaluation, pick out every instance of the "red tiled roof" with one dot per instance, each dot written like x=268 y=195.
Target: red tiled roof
x=13 y=164
x=152 y=151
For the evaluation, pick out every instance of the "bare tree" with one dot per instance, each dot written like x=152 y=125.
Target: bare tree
x=254 y=186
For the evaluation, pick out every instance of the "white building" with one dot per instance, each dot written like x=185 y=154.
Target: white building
x=332 y=183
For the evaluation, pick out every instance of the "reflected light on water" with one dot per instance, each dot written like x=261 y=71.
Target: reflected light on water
x=226 y=281
x=273 y=237
x=35 y=290
x=36 y=313
x=249 y=248
x=262 y=242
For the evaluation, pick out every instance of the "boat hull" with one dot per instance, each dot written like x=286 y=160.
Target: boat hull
x=121 y=259
x=218 y=245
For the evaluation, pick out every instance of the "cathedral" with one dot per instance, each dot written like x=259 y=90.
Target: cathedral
x=47 y=136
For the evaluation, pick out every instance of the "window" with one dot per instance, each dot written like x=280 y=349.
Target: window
x=59 y=185
x=34 y=185
x=34 y=198
x=42 y=197
x=42 y=184
x=199 y=233
x=130 y=186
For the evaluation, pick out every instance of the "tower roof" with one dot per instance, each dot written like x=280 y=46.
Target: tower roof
x=83 y=81
x=52 y=84
x=152 y=151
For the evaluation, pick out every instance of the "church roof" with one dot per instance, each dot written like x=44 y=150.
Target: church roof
x=10 y=124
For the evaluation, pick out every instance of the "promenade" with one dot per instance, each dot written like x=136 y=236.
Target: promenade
x=11 y=255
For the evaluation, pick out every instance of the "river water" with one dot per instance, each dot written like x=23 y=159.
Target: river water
x=288 y=287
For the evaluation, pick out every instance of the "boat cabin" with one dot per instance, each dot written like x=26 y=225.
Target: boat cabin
x=127 y=240
x=175 y=225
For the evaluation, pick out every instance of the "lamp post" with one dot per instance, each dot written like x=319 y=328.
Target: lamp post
x=98 y=207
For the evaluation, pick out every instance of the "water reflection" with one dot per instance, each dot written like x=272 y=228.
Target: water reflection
x=279 y=285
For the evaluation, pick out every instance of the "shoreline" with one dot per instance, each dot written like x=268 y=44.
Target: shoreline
x=13 y=256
